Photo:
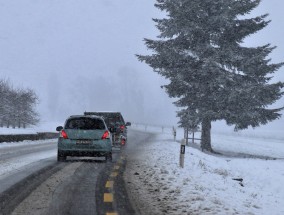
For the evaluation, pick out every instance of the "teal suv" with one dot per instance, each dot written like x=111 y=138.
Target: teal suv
x=84 y=136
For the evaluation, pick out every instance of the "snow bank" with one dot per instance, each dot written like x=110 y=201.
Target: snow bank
x=206 y=185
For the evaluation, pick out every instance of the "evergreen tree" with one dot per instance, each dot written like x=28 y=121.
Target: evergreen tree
x=188 y=120
x=200 y=50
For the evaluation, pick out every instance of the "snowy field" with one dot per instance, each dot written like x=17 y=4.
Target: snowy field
x=41 y=127
x=206 y=184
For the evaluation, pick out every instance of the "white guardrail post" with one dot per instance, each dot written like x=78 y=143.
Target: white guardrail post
x=182 y=152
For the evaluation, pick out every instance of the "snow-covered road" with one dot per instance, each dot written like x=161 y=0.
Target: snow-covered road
x=18 y=160
x=76 y=186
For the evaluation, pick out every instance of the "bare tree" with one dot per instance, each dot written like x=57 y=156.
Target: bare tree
x=17 y=106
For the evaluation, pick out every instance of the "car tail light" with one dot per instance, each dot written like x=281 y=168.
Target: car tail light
x=63 y=134
x=122 y=127
x=105 y=135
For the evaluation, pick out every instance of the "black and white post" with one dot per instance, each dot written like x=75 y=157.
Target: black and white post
x=182 y=152
x=174 y=133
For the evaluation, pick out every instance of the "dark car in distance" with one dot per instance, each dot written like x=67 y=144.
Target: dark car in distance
x=115 y=122
x=84 y=136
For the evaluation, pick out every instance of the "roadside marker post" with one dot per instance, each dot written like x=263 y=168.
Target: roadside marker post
x=174 y=133
x=182 y=152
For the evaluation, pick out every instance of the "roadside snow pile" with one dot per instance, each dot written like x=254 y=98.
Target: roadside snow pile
x=9 y=145
x=206 y=184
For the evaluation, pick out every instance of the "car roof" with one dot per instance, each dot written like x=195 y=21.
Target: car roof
x=85 y=116
x=107 y=116
x=101 y=112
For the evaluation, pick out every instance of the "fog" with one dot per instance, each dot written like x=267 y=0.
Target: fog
x=80 y=55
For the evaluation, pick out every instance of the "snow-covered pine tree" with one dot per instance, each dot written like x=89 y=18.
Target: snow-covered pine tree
x=188 y=120
x=200 y=51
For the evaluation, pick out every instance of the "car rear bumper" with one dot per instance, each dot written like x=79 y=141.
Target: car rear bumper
x=80 y=153
x=67 y=147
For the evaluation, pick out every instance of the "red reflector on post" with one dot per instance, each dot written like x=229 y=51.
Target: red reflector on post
x=105 y=135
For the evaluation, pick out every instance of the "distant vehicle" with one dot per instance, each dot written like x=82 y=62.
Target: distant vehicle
x=116 y=123
x=84 y=136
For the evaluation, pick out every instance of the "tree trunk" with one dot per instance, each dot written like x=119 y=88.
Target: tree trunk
x=186 y=137
x=206 y=135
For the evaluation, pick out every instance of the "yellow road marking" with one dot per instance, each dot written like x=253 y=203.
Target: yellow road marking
x=108 y=197
x=121 y=160
x=114 y=174
x=109 y=184
x=113 y=213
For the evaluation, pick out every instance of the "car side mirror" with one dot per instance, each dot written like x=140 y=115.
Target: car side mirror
x=128 y=124
x=59 y=128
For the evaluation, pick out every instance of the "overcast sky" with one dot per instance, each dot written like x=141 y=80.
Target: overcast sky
x=80 y=55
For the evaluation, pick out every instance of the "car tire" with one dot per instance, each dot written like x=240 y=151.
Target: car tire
x=61 y=157
x=123 y=143
x=109 y=157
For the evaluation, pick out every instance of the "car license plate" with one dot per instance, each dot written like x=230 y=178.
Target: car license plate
x=83 y=142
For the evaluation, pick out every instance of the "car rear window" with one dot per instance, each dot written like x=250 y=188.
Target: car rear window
x=111 y=119
x=84 y=123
